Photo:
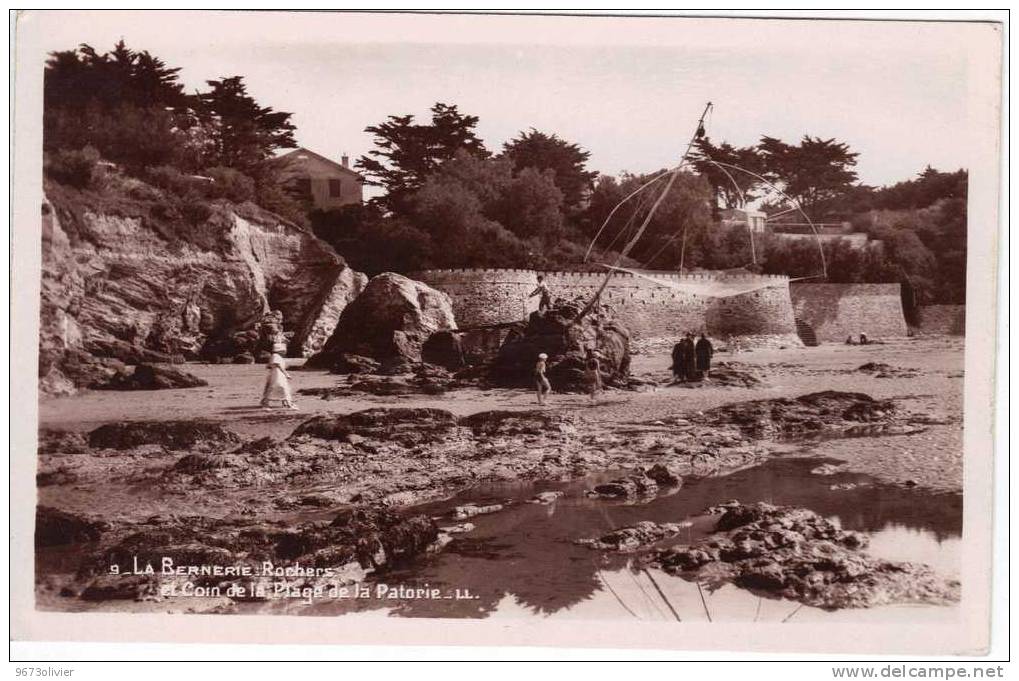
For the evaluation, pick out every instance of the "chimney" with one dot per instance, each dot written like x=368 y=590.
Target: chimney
x=345 y=160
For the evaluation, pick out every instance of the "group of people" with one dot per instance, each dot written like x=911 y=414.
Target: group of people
x=863 y=340
x=691 y=360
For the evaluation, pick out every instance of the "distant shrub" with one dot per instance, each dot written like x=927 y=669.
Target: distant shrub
x=194 y=207
x=76 y=167
x=140 y=191
x=230 y=184
x=170 y=179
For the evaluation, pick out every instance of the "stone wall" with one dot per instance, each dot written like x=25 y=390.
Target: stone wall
x=837 y=311
x=718 y=303
x=942 y=320
x=484 y=296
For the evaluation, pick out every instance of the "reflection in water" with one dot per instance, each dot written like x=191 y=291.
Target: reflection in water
x=907 y=544
x=522 y=562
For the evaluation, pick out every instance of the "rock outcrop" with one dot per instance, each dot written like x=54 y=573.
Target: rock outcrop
x=794 y=553
x=312 y=335
x=828 y=410
x=124 y=279
x=357 y=541
x=389 y=322
x=565 y=339
x=634 y=486
x=169 y=434
x=150 y=377
x=634 y=537
x=413 y=425
x=444 y=349
x=54 y=527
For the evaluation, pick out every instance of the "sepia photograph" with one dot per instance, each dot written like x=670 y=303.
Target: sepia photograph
x=502 y=324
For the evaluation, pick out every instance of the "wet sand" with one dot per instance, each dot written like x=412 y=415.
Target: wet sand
x=931 y=459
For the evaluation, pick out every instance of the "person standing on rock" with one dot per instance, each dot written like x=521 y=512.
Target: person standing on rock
x=545 y=299
x=704 y=350
x=277 y=383
x=592 y=374
x=541 y=380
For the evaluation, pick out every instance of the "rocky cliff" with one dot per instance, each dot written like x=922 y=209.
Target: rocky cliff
x=126 y=280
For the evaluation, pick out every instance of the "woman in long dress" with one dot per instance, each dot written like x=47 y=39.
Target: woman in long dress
x=277 y=383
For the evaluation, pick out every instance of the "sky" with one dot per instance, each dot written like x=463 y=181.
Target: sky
x=629 y=90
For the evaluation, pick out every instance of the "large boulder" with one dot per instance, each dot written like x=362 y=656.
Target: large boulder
x=313 y=334
x=62 y=371
x=565 y=337
x=151 y=377
x=444 y=349
x=389 y=321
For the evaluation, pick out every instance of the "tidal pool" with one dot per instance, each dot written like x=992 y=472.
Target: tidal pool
x=522 y=562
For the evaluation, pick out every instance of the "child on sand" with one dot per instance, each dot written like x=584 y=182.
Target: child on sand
x=541 y=380
x=277 y=383
x=592 y=374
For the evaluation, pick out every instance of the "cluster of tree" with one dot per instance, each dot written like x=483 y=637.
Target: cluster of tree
x=130 y=108
x=680 y=232
x=921 y=223
x=450 y=202
x=816 y=173
x=923 y=249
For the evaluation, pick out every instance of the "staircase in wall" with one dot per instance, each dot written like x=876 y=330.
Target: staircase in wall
x=806 y=333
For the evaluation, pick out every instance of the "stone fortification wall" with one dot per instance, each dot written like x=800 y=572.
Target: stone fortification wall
x=718 y=303
x=942 y=320
x=484 y=296
x=837 y=311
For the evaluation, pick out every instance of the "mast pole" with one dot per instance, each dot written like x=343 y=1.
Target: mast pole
x=698 y=133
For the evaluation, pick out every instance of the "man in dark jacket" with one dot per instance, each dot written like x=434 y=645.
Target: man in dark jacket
x=678 y=366
x=704 y=351
x=689 y=358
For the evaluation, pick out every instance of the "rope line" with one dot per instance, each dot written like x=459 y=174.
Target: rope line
x=618 y=206
x=791 y=200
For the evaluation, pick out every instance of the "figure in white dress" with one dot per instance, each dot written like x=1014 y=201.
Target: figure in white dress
x=277 y=383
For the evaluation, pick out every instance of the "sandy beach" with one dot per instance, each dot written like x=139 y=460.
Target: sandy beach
x=869 y=436
x=933 y=388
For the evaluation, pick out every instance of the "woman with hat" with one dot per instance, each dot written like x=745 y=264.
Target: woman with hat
x=277 y=383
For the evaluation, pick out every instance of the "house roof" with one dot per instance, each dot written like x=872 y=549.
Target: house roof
x=293 y=156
